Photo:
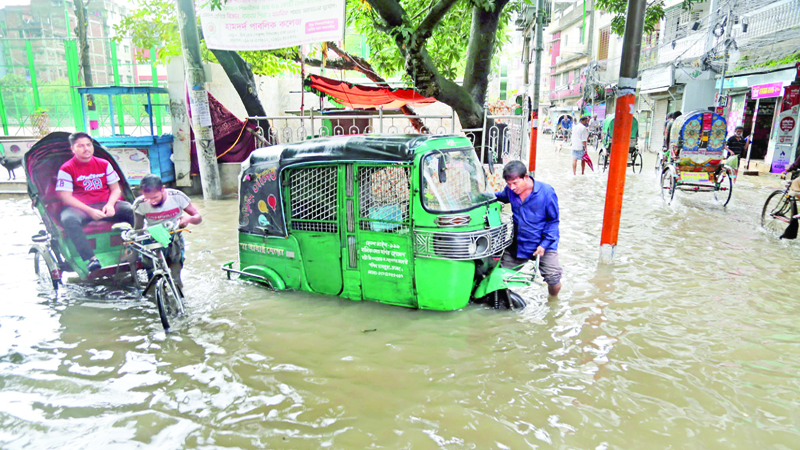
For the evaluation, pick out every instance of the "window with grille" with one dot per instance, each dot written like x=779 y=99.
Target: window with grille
x=602 y=46
x=313 y=199
x=383 y=198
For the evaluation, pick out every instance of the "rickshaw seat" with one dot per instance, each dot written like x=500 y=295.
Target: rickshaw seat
x=54 y=207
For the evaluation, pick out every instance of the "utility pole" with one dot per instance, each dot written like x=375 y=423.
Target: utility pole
x=198 y=101
x=620 y=141
x=537 y=75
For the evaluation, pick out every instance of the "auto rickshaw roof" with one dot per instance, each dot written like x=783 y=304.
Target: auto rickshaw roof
x=383 y=148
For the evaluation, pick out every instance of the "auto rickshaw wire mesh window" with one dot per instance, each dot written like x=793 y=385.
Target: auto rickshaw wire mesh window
x=383 y=198
x=313 y=199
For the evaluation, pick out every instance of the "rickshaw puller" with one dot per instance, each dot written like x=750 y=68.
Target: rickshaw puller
x=89 y=189
x=535 y=211
x=157 y=205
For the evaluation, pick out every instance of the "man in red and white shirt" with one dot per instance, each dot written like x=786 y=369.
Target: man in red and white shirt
x=157 y=205
x=89 y=188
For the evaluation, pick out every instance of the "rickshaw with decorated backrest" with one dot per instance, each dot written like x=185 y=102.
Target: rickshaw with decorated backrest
x=696 y=159
x=53 y=252
x=400 y=220
x=635 y=161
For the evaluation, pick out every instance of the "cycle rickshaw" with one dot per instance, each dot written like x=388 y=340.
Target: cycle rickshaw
x=562 y=134
x=696 y=162
x=780 y=209
x=53 y=253
x=635 y=160
x=400 y=220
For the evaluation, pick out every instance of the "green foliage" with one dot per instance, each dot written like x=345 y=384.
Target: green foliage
x=14 y=83
x=654 y=13
x=155 y=23
x=788 y=59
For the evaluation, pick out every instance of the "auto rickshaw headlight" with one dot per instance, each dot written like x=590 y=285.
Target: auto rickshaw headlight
x=479 y=246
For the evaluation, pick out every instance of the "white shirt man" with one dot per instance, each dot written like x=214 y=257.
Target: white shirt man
x=580 y=135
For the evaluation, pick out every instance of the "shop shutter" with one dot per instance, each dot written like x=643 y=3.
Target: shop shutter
x=659 y=118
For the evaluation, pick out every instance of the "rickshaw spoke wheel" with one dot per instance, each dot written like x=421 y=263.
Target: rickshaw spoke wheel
x=44 y=273
x=776 y=214
x=602 y=160
x=168 y=302
x=723 y=189
x=667 y=185
x=637 y=162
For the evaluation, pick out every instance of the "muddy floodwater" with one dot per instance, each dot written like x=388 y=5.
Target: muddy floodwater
x=690 y=341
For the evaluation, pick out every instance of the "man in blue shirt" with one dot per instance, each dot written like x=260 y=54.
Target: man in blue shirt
x=536 y=218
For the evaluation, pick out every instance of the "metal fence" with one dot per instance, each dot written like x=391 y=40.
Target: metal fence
x=40 y=76
x=503 y=137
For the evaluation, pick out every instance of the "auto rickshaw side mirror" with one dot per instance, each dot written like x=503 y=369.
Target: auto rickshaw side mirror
x=442 y=170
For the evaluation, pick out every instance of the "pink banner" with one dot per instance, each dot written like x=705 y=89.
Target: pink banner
x=767 y=90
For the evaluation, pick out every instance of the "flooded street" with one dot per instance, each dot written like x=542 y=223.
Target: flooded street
x=691 y=340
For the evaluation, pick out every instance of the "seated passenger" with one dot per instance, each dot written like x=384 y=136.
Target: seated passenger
x=89 y=188
x=157 y=205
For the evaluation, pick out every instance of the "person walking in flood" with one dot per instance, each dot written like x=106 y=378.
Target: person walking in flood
x=534 y=205
x=580 y=136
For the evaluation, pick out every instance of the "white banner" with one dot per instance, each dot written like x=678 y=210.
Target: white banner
x=271 y=24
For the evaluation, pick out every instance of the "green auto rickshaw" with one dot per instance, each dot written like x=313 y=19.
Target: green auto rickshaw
x=400 y=219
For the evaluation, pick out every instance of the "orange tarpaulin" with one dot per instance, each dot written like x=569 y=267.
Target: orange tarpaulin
x=357 y=96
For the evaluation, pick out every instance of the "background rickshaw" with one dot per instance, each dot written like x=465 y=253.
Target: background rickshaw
x=400 y=220
x=696 y=162
x=561 y=134
x=635 y=160
x=52 y=251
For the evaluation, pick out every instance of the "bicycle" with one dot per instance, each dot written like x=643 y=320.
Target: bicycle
x=594 y=139
x=150 y=243
x=780 y=208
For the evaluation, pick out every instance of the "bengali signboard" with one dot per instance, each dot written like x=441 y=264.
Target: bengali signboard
x=271 y=24
x=767 y=90
x=784 y=137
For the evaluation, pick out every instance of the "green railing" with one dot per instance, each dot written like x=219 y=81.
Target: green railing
x=40 y=75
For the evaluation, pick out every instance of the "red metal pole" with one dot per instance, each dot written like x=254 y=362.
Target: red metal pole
x=623 y=117
x=534 y=139
x=620 y=143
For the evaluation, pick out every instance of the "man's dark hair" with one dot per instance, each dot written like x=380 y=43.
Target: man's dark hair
x=676 y=114
x=73 y=138
x=514 y=169
x=738 y=128
x=151 y=183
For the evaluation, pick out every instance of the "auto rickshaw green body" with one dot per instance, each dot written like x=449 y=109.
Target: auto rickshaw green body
x=401 y=220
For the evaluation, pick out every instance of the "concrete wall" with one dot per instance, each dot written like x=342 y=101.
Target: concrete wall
x=698 y=94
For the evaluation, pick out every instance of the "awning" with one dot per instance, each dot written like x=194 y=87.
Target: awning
x=359 y=96
x=785 y=76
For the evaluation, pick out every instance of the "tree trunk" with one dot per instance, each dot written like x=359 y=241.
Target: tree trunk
x=82 y=31
x=240 y=73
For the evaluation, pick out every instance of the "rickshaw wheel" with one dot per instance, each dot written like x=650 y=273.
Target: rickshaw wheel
x=776 y=214
x=659 y=162
x=167 y=301
x=668 y=185
x=723 y=182
x=637 y=163
x=602 y=160
x=44 y=271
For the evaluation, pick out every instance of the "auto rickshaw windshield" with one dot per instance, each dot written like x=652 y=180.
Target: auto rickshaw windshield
x=463 y=185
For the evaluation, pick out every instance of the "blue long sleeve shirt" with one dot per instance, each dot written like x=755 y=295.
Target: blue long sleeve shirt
x=536 y=218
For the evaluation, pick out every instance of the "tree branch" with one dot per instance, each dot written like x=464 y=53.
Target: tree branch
x=364 y=67
x=425 y=29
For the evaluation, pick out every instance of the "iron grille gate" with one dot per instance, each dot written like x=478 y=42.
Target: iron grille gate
x=313 y=199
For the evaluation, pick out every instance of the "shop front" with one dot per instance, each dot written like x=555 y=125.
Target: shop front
x=755 y=103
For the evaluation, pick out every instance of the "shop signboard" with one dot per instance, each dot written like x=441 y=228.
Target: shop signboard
x=271 y=24
x=785 y=130
x=767 y=90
